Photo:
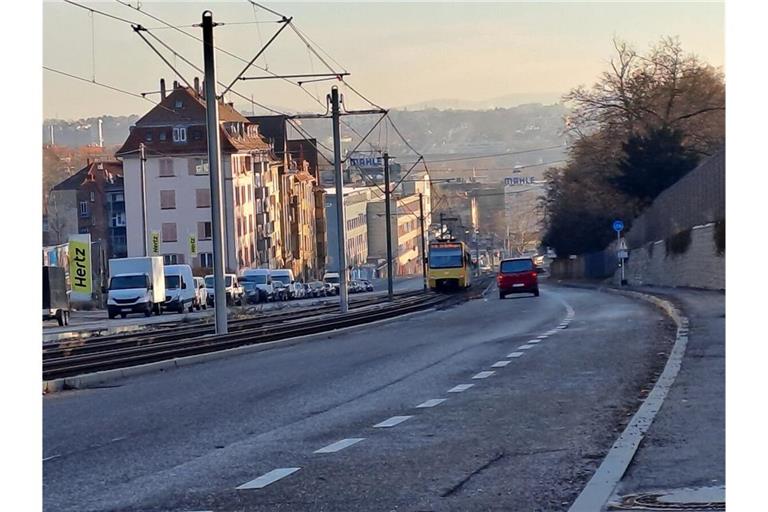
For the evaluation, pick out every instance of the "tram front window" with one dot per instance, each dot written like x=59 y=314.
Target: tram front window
x=445 y=258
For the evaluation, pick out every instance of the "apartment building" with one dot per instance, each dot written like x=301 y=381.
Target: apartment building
x=177 y=196
x=406 y=231
x=356 y=217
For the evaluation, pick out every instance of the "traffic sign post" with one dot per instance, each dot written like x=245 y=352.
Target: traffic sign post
x=621 y=248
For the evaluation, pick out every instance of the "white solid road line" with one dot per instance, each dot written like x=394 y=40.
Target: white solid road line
x=340 y=445
x=460 y=388
x=267 y=478
x=391 y=422
x=500 y=364
x=51 y=457
x=483 y=375
x=431 y=403
x=515 y=354
x=525 y=347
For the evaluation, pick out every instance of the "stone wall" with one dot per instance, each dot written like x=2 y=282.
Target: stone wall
x=699 y=266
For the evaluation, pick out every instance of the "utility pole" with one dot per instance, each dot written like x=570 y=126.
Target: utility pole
x=214 y=164
x=142 y=167
x=423 y=241
x=388 y=214
x=341 y=223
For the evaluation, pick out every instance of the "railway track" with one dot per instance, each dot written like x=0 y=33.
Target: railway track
x=67 y=359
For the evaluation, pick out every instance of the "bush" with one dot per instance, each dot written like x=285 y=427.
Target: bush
x=719 y=237
x=678 y=243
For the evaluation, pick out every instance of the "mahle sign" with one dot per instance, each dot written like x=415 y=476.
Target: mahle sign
x=368 y=161
x=519 y=180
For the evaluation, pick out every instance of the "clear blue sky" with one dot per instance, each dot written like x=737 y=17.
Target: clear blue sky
x=398 y=53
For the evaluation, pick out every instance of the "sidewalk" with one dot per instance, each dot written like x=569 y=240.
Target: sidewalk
x=682 y=457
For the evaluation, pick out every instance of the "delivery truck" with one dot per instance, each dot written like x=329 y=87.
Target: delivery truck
x=136 y=285
x=55 y=299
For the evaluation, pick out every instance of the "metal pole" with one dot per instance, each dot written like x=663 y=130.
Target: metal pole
x=214 y=165
x=142 y=166
x=423 y=242
x=388 y=214
x=340 y=220
x=477 y=253
x=621 y=260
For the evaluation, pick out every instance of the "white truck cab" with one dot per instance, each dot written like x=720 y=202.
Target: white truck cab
x=136 y=285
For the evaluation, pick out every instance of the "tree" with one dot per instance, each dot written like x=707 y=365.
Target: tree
x=652 y=163
x=637 y=130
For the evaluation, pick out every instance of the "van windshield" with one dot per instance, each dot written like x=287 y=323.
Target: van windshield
x=127 y=282
x=282 y=279
x=209 y=282
x=172 y=282
x=255 y=278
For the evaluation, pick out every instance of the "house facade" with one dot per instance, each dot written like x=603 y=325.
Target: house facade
x=177 y=195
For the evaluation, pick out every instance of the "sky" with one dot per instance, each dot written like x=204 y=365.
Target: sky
x=397 y=53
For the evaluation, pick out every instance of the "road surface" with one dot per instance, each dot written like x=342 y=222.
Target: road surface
x=525 y=437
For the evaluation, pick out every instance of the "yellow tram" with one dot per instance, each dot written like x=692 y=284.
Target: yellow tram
x=450 y=265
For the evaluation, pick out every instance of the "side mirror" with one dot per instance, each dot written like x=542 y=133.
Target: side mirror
x=183 y=285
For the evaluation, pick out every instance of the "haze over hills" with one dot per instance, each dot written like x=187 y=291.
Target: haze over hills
x=506 y=101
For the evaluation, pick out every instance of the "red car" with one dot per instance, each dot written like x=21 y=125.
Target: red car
x=518 y=275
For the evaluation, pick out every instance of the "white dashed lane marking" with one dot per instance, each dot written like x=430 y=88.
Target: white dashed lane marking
x=268 y=478
x=515 y=354
x=391 y=422
x=340 y=445
x=431 y=403
x=543 y=336
x=483 y=375
x=525 y=347
x=533 y=342
x=460 y=388
x=500 y=364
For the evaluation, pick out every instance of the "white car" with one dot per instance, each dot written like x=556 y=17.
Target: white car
x=297 y=290
x=201 y=293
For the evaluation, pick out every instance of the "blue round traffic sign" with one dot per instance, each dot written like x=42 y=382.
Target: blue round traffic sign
x=618 y=226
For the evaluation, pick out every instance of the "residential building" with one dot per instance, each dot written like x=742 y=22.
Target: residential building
x=91 y=201
x=405 y=233
x=177 y=196
x=356 y=216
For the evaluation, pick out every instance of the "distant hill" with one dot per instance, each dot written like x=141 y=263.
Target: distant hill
x=506 y=101
x=433 y=132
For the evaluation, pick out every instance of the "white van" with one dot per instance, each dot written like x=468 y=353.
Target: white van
x=260 y=277
x=333 y=279
x=283 y=275
x=180 y=290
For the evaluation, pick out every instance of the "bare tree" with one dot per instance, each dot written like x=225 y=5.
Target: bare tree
x=524 y=224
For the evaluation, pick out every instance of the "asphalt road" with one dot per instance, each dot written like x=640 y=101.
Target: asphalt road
x=526 y=437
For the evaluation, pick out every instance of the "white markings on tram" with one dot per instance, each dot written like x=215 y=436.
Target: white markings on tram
x=267 y=478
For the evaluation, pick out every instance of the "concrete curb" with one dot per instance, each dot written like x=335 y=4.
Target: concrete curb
x=601 y=487
x=104 y=377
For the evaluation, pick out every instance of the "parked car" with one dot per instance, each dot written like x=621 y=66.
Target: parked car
x=307 y=290
x=179 y=288
x=252 y=293
x=201 y=293
x=330 y=289
x=368 y=285
x=319 y=289
x=136 y=285
x=518 y=275
x=263 y=281
x=333 y=279
x=281 y=290
x=234 y=292
x=283 y=275
x=296 y=290
x=354 y=286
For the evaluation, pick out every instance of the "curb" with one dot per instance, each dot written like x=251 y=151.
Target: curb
x=601 y=487
x=107 y=376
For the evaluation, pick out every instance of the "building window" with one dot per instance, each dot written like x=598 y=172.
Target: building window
x=178 y=104
x=117 y=220
x=167 y=199
x=173 y=259
x=239 y=230
x=206 y=259
x=93 y=197
x=166 y=167
x=163 y=135
x=203 y=197
x=204 y=231
x=83 y=208
x=148 y=136
x=197 y=167
x=180 y=134
x=169 y=232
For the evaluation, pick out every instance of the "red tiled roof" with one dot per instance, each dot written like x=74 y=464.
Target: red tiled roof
x=76 y=180
x=183 y=107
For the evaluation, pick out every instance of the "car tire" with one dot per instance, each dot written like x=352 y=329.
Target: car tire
x=180 y=309
x=502 y=295
x=66 y=317
x=536 y=292
x=60 y=318
x=111 y=314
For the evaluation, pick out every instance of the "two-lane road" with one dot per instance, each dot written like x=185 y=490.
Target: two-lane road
x=515 y=414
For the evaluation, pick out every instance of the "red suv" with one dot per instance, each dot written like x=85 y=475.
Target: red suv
x=518 y=275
